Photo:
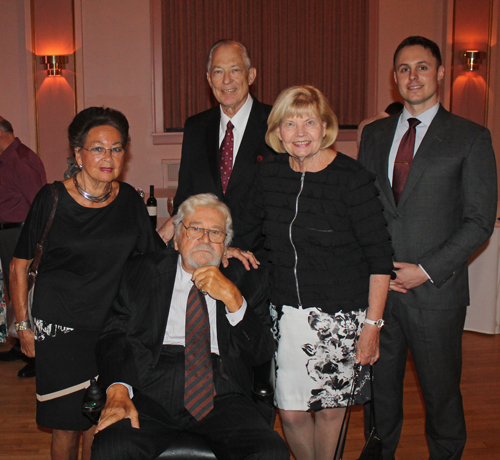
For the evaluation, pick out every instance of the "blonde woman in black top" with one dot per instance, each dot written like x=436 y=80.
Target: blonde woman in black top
x=330 y=260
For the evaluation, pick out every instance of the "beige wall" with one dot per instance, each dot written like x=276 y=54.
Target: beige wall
x=52 y=26
x=116 y=44
x=16 y=83
x=396 y=21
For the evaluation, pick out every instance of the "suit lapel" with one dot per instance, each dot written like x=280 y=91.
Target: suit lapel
x=163 y=286
x=212 y=143
x=383 y=141
x=430 y=143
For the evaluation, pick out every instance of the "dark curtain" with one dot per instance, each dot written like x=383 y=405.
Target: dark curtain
x=317 y=42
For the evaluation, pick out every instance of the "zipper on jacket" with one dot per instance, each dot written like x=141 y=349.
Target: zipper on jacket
x=291 y=239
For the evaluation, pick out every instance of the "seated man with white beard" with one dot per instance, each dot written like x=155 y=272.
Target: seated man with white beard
x=178 y=346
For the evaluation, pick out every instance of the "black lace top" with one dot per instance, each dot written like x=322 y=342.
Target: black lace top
x=326 y=226
x=84 y=254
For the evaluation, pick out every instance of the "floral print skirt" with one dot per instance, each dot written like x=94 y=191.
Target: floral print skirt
x=315 y=358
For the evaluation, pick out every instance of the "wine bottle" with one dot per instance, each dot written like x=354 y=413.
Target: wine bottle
x=152 y=205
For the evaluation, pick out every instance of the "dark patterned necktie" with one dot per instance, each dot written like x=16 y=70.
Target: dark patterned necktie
x=404 y=159
x=198 y=375
x=226 y=156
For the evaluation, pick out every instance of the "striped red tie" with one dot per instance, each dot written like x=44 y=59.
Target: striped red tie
x=226 y=156
x=198 y=376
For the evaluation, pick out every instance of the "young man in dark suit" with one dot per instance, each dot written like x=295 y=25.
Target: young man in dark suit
x=437 y=178
x=230 y=74
x=149 y=341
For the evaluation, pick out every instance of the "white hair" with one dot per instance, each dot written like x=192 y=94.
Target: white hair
x=226 y=41
x=204 y=200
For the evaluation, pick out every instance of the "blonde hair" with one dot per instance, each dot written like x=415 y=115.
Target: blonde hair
x=298 y=101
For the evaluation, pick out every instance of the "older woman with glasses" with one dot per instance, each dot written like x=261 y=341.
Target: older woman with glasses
x=330 y=260
x=99 y=223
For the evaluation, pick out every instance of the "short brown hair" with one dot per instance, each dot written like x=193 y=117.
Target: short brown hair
x=297 y=101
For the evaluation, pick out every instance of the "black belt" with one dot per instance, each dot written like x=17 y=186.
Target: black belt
x=7 y=225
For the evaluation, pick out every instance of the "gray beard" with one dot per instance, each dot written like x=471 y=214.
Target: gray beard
x=215 y=260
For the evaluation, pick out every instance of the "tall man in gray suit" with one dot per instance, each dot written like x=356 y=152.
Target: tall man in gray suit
x=440 y=204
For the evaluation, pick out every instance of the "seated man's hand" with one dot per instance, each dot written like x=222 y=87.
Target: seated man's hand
x=166 y=231
x=118 y=406
x=209 y=280
x=246 y=257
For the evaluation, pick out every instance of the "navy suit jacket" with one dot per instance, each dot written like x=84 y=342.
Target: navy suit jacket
x=133 y=333
x=447 y=209
x=200 y=162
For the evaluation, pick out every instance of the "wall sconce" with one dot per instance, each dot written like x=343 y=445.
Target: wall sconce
x=55 y=64
x=472 y=59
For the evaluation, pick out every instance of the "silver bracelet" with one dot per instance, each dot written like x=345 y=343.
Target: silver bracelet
x=23 y=325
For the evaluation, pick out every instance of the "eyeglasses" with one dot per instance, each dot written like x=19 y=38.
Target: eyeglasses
x=99 y=152
x=196 y=233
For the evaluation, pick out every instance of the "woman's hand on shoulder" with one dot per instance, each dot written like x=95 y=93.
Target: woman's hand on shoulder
x=247 y=258
x=167 y=230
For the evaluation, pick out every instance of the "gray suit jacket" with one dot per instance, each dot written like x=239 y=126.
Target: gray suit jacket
x=448 y=206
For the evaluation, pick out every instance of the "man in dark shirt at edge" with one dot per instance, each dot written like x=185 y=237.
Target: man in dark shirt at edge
x=22 y=175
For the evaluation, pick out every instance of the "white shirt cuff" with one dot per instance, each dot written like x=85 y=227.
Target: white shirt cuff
x=126 y=385
x=237 y=316
x=426 y=274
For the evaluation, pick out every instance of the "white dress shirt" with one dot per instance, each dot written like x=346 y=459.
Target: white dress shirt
x=239 y=122
x=175 y=333
x=425 y=121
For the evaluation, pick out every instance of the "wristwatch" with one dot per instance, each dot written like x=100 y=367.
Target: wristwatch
x=379 y=322
x=23 y=325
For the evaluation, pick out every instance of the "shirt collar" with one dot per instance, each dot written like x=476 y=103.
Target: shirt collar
x=425 y=118
x=241 y=117
x=182 y=275
x=10 y=151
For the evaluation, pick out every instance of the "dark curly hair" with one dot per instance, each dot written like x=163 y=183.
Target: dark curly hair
x=93 y=117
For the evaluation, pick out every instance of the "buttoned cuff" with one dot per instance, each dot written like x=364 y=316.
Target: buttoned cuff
x=426 y=274
x=126 y=385
x=237 y=316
